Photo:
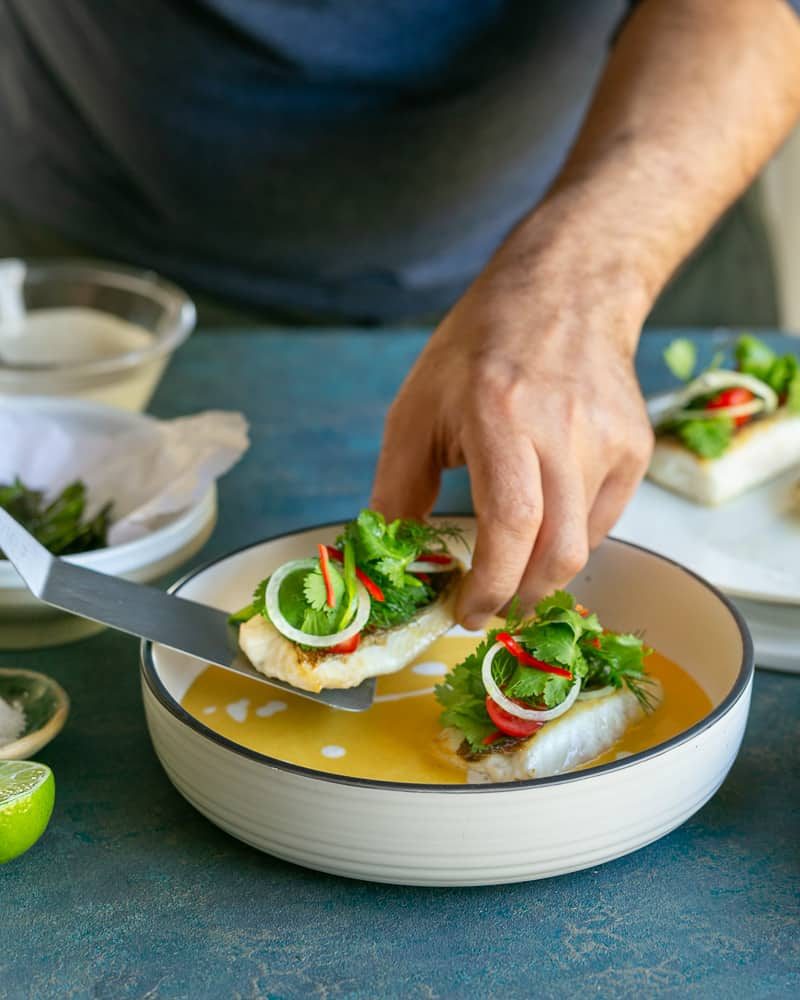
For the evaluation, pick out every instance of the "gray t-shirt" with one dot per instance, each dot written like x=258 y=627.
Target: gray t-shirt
x=353 y=158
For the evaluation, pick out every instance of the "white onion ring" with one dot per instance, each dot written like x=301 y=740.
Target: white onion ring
x=421 y=566
x=665 y=407
x=530 y=714
x=596 y=693
x=739 y=410
x=306 y=638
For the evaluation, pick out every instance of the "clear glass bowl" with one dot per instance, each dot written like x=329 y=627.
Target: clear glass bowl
x=36 y=294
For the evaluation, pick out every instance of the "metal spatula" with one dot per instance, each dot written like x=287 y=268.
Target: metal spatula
x=146 y=612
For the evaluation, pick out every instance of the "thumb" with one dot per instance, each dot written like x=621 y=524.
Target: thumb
x=408 y=476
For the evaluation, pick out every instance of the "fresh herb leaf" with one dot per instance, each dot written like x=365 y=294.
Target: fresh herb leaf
x=61 y=525
x=706 y=438
x=463 y=697
x=753 y=356
x=681 y=358
x=384 y=551
x=617 y=659
x=781 y=373
x=319 y=622
x=559 y=635
x=314 y=588
x=558 y=599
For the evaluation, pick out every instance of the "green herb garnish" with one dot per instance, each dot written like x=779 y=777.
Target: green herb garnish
x=559 y=635
x=60 y=525
x=384 y=551
x=380 y=551
x=681 y=357
x=706 y=438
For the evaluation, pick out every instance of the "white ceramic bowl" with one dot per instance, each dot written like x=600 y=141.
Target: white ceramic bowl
x=25 y=622
x=467 y=835
x=162 y=313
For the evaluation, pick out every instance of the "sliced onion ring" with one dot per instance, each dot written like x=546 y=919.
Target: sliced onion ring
x=596 y=693
x=296 y=634
x=670 y=405
x=739 y=410
x=531 y=714
x=421 y=566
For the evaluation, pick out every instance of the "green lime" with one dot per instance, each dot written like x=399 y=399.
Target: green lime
x=27 y=794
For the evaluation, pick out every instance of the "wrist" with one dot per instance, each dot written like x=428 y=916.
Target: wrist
x=572 y=263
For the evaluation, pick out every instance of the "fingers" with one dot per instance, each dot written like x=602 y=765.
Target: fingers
x=611 y=500
x=562 y=546
x=507 y=497
x=407 y=478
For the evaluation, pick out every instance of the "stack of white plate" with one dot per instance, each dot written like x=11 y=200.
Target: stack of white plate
x=748 y=548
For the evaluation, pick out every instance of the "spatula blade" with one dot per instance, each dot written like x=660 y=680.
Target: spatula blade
x=172 y=621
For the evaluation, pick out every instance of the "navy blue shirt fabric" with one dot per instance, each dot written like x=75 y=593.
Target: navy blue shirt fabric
x=356 y=158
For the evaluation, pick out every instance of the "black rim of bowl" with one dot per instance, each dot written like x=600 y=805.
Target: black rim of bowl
x=740 y=685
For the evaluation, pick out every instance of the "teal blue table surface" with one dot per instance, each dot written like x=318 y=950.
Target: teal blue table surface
x=132 y=894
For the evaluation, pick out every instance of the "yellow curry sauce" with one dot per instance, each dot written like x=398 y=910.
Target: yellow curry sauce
x=393 y=740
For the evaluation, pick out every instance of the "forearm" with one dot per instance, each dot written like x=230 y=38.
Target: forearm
x=696 y=97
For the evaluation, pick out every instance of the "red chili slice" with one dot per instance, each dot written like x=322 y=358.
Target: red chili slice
x=423 y=576
x=509 y=724
x=324 y=565
x=442 y=558
x=373 y=589
x=346 y=647
x=527 y=660
x=735 y=396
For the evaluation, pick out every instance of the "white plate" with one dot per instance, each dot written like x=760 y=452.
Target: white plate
x=461 y=834
x=748 y=548
x=775 y=629
x=26 y=623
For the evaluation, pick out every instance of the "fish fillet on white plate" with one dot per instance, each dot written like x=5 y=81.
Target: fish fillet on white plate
x=757 y=452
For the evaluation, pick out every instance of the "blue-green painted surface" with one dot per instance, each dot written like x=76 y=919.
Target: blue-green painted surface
x=131 y=893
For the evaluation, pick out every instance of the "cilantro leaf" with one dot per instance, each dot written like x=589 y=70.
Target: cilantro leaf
x=556 y=690
x=554 y=642
x=320 y=622
x=558 y=599
x=781 y=373
x=314 y=588
x=753 y=356
x=384 y=551
x=393 y=570
x=559 y=635
x=681 y=358
x=617 y=659
x=706 y=438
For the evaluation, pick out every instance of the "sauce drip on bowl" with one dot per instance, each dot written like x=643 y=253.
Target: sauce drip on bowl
x=393 y=740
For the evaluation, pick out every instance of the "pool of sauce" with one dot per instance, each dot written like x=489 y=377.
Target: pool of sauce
x=393 y=740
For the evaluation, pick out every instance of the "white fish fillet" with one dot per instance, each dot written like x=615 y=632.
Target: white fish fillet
x=587 y=730
x=382 y=652
x=757 y=453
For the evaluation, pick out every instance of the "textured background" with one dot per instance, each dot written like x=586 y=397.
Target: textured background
x=131 y=894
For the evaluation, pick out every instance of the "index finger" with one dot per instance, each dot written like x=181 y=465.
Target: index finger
x=507 y=497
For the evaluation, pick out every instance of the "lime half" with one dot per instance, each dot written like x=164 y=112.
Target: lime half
x=27 y=794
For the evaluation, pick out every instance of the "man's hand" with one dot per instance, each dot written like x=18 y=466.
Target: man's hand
x=530 y=382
